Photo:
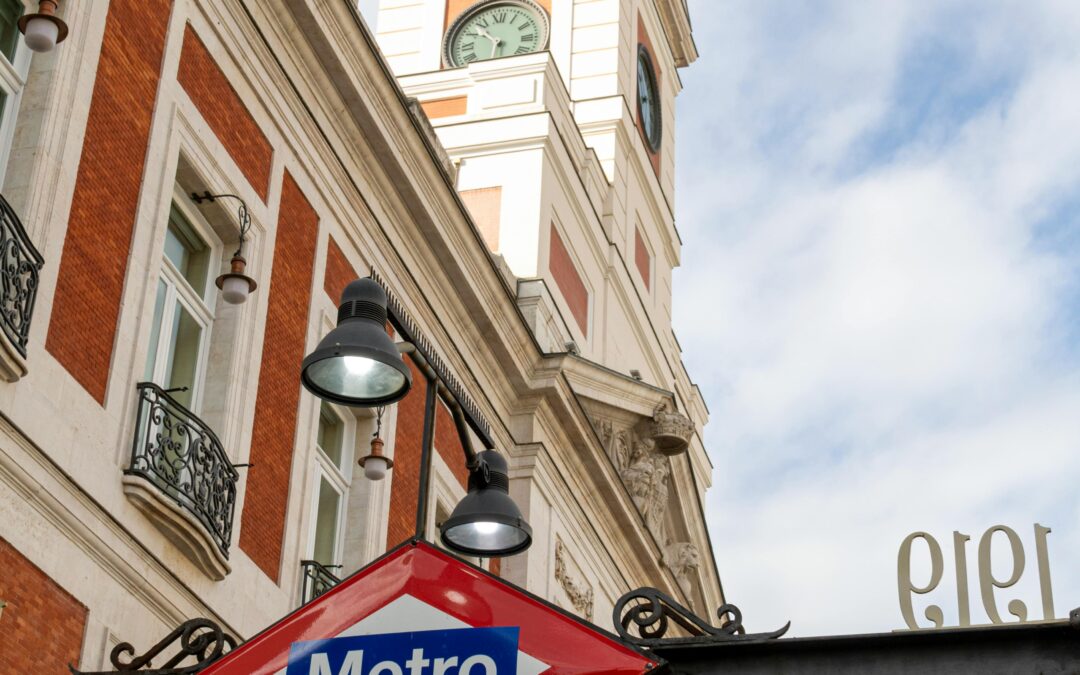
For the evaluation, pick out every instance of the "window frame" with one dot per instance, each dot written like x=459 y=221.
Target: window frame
x=179 y=291
x=338 y=477
x=13 y=77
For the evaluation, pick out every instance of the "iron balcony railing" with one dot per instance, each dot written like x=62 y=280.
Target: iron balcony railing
x=317 y=579
x=176 y=452
x=20 y=264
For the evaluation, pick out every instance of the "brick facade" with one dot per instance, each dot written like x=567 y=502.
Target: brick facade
x=273 y=436
x=94 y=261
x=569 y=280
x=41 y=629
x=405 y=476
x=448 y=444
x=339 y=271
x=225 y=112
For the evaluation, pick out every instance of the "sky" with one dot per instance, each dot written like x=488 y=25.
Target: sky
x=880 y=297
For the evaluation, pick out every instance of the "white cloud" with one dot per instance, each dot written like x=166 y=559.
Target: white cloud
x=878 y=333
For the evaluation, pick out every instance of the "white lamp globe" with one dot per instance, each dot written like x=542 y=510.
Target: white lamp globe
x=375 y=468
x=235 y=290
x=41 y=34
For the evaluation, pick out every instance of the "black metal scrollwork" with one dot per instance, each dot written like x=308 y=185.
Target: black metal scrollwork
x=182 y=457
x=652 y=611
x=317 y=579
x=200 y=639
x=20 y=264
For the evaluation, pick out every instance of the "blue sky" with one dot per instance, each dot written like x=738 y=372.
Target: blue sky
x=880 y=295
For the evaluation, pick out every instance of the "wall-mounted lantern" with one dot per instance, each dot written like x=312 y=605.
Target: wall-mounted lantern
x=235 y=285
x=44 y=29
x=376 y=464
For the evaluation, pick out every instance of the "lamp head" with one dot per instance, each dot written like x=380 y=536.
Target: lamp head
x=487 y=522
x=357 y=364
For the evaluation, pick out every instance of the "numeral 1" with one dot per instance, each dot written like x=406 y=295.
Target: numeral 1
x=1044 y=571
x=963 y=603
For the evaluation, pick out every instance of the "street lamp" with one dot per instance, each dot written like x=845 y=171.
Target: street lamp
x=42 y=30
x=357 y=364
x=487 y=522
x=235 y=285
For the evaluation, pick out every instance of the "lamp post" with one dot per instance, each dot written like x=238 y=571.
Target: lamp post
x=357 y=364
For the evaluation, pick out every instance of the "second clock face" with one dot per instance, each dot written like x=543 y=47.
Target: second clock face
x=489 y=30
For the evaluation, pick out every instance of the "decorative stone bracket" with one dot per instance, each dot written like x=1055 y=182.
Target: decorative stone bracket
x=578 y=590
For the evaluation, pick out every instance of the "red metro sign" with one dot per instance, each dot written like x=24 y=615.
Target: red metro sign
x=420 y=611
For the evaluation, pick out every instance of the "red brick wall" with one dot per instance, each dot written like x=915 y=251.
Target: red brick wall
x=643 y=38
x=339 y=271
x=641 y=257
x=94 y=261
x=41 y=630
x=225 y=112
x=405 y=476
x=273 y=436
x=448 y=444
x=569 y=281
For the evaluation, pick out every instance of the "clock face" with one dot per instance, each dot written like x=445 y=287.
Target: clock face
x=495 y=28
x=648 y=100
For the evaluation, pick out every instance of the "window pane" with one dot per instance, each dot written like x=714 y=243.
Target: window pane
x=187 y=251
x=330 y=435
x=10 y=11
x=326 y=523
x=155 y=332
x=184 y=345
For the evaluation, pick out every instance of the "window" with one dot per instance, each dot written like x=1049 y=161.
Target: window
x=183 y=311
x=333 y=464
x=14 y=65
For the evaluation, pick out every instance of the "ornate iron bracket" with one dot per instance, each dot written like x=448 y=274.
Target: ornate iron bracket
x=653 y=611
x=201 y=639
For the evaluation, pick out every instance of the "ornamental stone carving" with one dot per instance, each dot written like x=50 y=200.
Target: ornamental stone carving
x=670 y=430
x=578 y=590
x=683 y=559
x=647 y=479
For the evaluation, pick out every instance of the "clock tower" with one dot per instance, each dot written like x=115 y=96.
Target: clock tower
x=559 y=118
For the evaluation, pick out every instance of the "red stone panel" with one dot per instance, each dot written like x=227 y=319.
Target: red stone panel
x=405 y=476
x=94 y=261
x=339 y=271
x=42 y=625
x=456 y=7
x=485 y=205
x=448 y=444
x=641 y=257
x=225 y=112
x=273 y=436
x=445 y=107
x=569 y=280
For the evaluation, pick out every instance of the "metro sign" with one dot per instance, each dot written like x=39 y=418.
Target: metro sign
x=421 y=611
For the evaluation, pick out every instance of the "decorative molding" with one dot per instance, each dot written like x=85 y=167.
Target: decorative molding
x=683 y=559
x=579 y=591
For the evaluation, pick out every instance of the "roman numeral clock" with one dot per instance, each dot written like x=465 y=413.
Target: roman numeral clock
x=494 y=28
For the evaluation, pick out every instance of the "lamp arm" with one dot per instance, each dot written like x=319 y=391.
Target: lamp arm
x=242 y=213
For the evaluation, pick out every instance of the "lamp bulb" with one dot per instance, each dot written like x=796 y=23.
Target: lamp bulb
x=235 y=290
x=358 y=365
x=375 y=468
x=41 y=34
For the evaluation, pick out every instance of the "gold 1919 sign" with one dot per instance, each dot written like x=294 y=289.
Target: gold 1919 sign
x=987 y=581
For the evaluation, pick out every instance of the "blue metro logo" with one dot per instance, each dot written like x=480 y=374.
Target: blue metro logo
x=465 y=651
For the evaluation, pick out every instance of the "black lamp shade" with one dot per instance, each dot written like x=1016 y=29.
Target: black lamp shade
x=487 y=523
x=357 y=363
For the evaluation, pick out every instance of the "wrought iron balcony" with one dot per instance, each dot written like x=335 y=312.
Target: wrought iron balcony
x=317 y=579
x=20 y=264
x=194 y=483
